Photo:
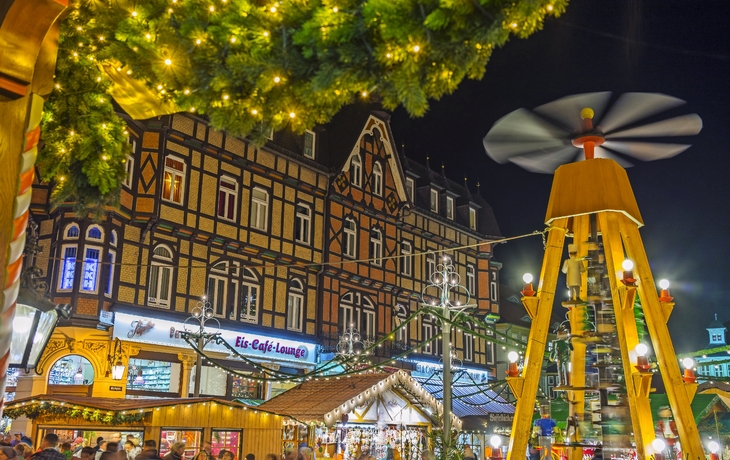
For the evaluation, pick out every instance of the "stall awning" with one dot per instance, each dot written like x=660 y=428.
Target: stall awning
x=329 y=398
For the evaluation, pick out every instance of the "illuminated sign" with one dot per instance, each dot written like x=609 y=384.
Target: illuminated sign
x=134 y=328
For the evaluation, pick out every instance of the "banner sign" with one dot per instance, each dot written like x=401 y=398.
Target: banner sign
x=134 y=328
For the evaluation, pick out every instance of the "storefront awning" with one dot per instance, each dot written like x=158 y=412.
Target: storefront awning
x=329 y=398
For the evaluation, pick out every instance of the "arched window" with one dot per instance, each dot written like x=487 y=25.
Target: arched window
x=399 y=319
x=377 y=179
x=295 y=306
x=468 y=352
x=218 y=288
x=233 y=291
x=356 y=170
x=376 y=247
x=248 y=310
x=72 y=231
x=349 y=238
x=358 y=311
x=94 y=232
x=160 y=284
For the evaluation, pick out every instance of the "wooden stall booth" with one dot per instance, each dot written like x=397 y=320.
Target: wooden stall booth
x=386 y=415
x=227 y=425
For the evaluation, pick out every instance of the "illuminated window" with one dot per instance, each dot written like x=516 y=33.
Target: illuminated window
x=472 y=218
x=295 y=306
x=174 y=180
x=259 y=209
x=400 y=317
x=450 y=207
x=160 y=285
x=377 y=179
x=91 y=269
x=406 y=260
x=349 y=240
x=94 y=232
x=434 y=203
x=309 y=144
x=72 y=231
x=68 y=268
x=249 y=297
x=303 y=224
x=227 y=198
x=356 y=171
x=376 y=247
x=111 y=257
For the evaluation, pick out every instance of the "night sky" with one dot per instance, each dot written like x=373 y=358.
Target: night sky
x=678 y=48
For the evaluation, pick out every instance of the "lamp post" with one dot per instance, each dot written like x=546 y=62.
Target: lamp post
x=445 y=280
x=35 y=316
x=201 y=314
x=350 y=343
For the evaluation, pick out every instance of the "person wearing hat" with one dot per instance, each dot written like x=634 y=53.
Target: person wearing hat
x=7 y=453
x=573 y=267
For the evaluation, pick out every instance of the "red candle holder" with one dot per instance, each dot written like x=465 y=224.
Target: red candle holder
x=689 y=376
x=628 y=278
x=664 y=296
x=512 y=370
x=642 y=364
x=527 y=290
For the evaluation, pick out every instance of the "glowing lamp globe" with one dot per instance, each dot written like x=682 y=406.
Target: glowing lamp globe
x=688 y=363
x=664 y=284
x=513 y=356
x=527 y=278
x=627 y=265
x=713 y=446
x=641 y=349
x=658 y=445
x=495 y=441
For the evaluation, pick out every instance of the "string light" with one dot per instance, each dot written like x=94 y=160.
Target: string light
x=277 y=79
x=254 y=111
x=233 y=39
x=187 y=91
x=134 y=15
x=416 y=48
x=168 y=62
x=513 y=25
x=211 y=8
x=225 y=97
x=266 y=33
x=335 y=9
x=549 y=7
x=292 y=115
x=272 y=9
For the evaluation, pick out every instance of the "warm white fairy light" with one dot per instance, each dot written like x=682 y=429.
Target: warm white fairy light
x=197 y=42
x=272 y=9
x=266 y=33
x=225 y=97
x=254 y=111
x=277 y=79
x=416 y=48
x=134 y=15
x=335 y=9
x=233 y=39
x=211 y=8
x=148 y=36
x=187 y=91
x=549 y=7
x=513 y=25
x=168 y=61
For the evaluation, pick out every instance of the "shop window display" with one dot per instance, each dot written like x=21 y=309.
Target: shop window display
x=148 y=375
x=405 y=443
x=71 y=370
x=226 y=440
x=243 y=388
x=191 y=438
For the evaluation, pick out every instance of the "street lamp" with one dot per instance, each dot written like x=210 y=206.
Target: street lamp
x=689 y=375
x=495 y=441
x=350 y=343
x=35 y=316
x=713 y=447
x=527 y=290
x=445 y=279
x=200 y=314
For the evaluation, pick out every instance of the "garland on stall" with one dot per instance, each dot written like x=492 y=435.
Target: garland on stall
x=251 y=66
x=33 y=411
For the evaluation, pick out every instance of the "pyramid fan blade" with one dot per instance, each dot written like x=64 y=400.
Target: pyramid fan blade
x=545 y=162
x=566 y=111
x=521 y=132
x=685 y=125
x=600 y=152
x=646 y=151
x=631 y=107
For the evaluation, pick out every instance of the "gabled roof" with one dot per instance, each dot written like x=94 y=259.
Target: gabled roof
x=327 y=399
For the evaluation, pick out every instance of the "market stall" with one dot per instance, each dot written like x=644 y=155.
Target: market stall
x=387 y=415
x=227 y=425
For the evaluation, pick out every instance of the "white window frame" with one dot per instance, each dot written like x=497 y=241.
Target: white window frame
x=450 y=207
x=129 y=167
x=406 y=261
x=225 y=194
x=471 y=280
x=472 y=218
x=376 y=247
x=430 y=266
x=377 y=179
x=249 y=280
x=427 y=333
x=68 y=228
x=493 y=291
x=303 y=223
x=312 y=150
x=67 y=264
x=349 y=238
x=368 y=329
x=356 y=171
x=357 y=310
x=259 y=210
x=112 y=258
x=219 y=276
x=411 y=189
x=434 y=200
x=113 y=238
x=174 y=172
x=295 y=306
x=85 y=267
x=399 y=318
x=163 y=265
x=468 y=347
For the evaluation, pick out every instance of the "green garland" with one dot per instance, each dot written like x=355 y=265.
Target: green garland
x=255 y=65
x=33 y=411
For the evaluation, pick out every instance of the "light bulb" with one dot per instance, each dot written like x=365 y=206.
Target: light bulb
x=254 y=111
x=627 y=265
x=664 y=284
x=134 y=14
x=659 y=445
x=335 y=9
x=266 y=33
x=495 y=441
x=364 y=94
x=527 y=278
x=513 y=356
x=168 y=62
x=641 y=349
x=713 y=446
x=292 y=115
x=22 y=324
x=549 y=7
x=416 y=49
x=277 y=79
x=272 y=9
x=688 y=363
x=211 y=8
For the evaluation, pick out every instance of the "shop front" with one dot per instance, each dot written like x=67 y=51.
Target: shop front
x=387 y=415
x=225 y=424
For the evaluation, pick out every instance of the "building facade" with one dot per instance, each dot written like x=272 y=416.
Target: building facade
x=715 y=364
x=289 y=243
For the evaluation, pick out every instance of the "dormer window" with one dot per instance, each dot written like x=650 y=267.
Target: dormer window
x=434 y=203
x=356 y=171
x=472 y=218
x=377 y=179
x=450 y=207
x=410 y=187
x=309 y=144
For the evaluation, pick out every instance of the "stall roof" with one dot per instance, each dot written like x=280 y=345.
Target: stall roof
x=326 y=399
x=469 y=400
x=116 y=404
